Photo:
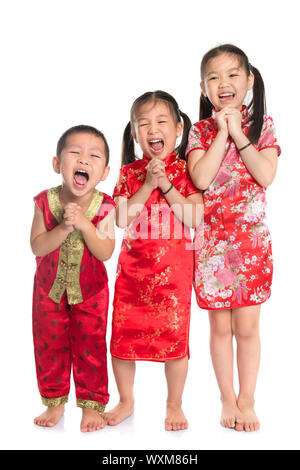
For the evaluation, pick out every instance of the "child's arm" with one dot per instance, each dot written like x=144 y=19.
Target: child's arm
x=100 y=240
x=43 y=241
x=261 y=165
x=129 y=209
x=189 y=210
x=204 y=165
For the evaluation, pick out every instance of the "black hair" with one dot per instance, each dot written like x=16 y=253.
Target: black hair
x=257 y=106
x=128 y=151
x=82 y=128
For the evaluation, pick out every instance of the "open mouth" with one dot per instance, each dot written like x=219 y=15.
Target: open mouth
x=81 y=178
x=156 y=145
x=226 y=96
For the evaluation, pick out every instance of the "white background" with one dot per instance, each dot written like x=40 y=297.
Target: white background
x=70 y=62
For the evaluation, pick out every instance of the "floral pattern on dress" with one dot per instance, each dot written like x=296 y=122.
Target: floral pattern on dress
x=233 y=259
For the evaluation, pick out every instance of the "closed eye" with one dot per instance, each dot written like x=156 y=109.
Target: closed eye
x=94 y=155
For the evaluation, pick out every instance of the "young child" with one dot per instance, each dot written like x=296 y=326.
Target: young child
x=72 y=234
x=154 y=195
x=232 y=156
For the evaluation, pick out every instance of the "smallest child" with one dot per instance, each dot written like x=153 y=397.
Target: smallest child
x=72 y=234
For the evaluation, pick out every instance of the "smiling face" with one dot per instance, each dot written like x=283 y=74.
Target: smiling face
x=82 y=163
x=225 y=82
x=155 y=129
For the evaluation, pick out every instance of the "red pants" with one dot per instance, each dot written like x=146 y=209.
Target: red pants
x=66 y=335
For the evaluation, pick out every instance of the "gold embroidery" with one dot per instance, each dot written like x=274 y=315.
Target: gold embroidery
x=54 y=401
x=54 y=203
x=156 y=257
x=166 y=351
x=71 y=251
x=94 y=405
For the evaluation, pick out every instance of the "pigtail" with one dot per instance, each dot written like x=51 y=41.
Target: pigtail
x=205 y=108
x=257 y=106
x=128 y=153
x=185 y=134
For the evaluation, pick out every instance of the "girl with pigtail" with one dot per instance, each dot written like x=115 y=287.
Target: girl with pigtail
x=232 y=157
x=156 y=204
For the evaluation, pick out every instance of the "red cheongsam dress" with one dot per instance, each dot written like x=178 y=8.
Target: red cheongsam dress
x=70 y=303
x=233 y=259
x=151 y=307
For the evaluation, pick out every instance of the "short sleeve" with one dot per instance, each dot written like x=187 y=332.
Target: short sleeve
x=108 y=204
x=190 y=188
x=196 y=139
x=121 y=188
x=268 y=136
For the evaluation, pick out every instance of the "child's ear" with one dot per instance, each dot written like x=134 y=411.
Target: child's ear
x=56 y=164
x=105 y=174
x=180 y=127
x=202 y=86
x=134 y=136
x=250 y=81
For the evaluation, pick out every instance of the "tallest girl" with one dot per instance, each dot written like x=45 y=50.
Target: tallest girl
x=232 y=156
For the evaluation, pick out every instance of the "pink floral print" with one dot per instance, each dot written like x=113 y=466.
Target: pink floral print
x=233 y=259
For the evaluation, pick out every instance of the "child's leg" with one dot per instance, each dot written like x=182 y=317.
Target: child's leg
x=245 y=322
x=89 y=356
x=221 y=349
x=52 y=355
x=124 y=372
x=176 y=372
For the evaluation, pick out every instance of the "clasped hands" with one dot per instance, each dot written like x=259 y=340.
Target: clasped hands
x=156 y=175
x=74 y=217
x=229 y=121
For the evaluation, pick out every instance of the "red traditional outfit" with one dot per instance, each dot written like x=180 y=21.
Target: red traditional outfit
x=233 y=262
x=70 y=303
x=152 y=299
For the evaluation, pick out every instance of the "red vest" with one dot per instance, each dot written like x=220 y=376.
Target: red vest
x=71 y=267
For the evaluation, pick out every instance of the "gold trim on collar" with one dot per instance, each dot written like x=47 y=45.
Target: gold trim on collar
x=71 y=251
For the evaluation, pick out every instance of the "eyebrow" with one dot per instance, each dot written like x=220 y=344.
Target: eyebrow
x=230 y=70
x=159 y=116
x=94 y=149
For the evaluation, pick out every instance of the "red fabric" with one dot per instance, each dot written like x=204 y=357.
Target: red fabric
x=66 y=335
x=233 y=259
x=93 y=275
x=154 y=275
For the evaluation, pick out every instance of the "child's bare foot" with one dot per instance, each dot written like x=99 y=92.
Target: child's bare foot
x=120 y=412
x=250 y=420
x=231 y=416
x=91 y=420
x=175 y=420
x=50 y=417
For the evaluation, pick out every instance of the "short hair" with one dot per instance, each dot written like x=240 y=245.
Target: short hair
x=82 y=128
